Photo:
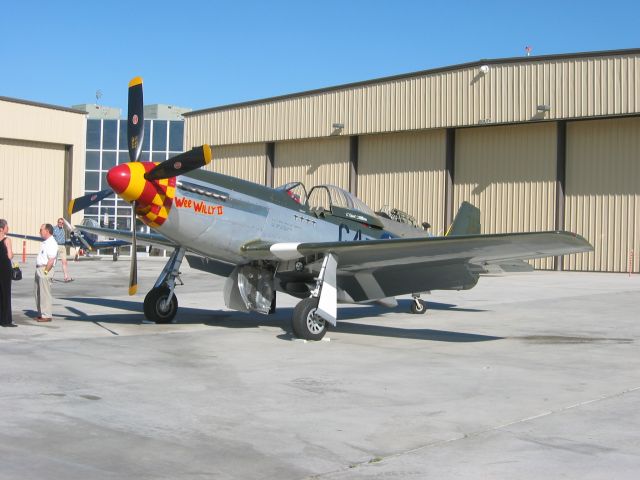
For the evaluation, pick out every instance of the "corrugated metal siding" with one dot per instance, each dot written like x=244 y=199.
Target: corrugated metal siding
x=27 y=168
x=29 y=123
x=603 y=192
x=243 y=161
x=509 y=92
x=405 y=171
x=313 y=162
x=509 y=173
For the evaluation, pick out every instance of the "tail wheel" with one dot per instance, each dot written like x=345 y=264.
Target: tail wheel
x=156 y=307
x=418 y=307
x=306 y=323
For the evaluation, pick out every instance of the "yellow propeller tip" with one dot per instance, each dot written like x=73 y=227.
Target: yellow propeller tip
x=207 y=154
x=135 y=81
x=133 y=289
x=70 y=209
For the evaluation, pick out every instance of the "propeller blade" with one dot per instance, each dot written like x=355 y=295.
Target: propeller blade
x=80 y=203
x=180 y=164
x=135 y=119
x=77 y=234
x=133 y=273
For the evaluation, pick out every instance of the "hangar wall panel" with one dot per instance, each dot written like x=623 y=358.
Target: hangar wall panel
x=600 y=85
x=405 y=171
x=26 y=122
x=509 y=173
x=27 y=168
x=313 y=162
x=244 y=161
x=603 y=193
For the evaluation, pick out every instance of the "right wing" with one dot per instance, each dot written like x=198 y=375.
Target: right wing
x=373 y=269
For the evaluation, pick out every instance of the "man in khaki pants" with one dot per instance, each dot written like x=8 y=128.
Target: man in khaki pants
x=45 y=261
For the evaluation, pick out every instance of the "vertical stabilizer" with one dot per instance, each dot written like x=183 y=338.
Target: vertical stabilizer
x=467 y=221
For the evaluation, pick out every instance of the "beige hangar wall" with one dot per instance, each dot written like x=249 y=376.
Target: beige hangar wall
x=243 y=161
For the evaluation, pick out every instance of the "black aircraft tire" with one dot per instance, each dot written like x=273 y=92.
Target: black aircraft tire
x=152 y=305
x=305 y=323
x=418 y=308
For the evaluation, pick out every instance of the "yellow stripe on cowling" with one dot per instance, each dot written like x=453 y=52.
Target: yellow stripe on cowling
x=136 y=182
x=207 y=154
x=171 y=192
x=157 y=200
x=135 y=81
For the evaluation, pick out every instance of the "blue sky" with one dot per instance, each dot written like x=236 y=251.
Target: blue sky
x=202 y=54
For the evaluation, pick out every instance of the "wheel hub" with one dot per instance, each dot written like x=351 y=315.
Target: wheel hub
x=315 y=323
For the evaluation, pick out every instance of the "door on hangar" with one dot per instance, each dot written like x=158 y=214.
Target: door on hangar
x=31 y=188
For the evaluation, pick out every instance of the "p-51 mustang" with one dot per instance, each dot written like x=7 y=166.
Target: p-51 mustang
x=323 y=246
x=82 y=239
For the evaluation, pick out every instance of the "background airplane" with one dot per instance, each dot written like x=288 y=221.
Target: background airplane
x=78 y=239
x=323 y=245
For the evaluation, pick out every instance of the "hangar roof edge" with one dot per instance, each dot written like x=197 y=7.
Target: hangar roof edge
x=42 y=105
x=490 y=61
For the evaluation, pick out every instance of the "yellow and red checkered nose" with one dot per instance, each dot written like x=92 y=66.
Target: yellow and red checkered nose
x=153 y=197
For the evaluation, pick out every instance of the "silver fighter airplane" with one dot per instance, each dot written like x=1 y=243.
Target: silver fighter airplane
x=323 y=245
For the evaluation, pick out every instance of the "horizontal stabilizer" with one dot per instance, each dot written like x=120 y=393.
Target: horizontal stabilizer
x=467 y=221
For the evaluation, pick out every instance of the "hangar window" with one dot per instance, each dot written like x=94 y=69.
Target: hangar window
x=108 y=160
x=159 y=135
x=145 y=141
x=159 y=156
x=93 y=161
x=92 y=181
x=123 y=136
x=176 y=134
x=93 y=134
x=109 y=134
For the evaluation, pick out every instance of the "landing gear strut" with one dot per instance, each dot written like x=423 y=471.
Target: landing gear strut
x=160 y=304
x=418 y=307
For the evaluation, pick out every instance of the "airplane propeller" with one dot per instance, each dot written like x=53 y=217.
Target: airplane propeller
x=180 y=164
x=135 y=135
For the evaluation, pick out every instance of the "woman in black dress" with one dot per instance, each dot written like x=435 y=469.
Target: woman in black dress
x=6 y=254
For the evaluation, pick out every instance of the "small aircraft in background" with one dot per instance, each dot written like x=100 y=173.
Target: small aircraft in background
x=80 y=240
x=323 y=246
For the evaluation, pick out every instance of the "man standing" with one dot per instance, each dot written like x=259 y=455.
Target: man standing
x=61 y=238
x=45 y=261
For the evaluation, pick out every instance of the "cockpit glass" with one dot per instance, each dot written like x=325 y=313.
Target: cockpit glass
x=327 y=196
x=296 y=192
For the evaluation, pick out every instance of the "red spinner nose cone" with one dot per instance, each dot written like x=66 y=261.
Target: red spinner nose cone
x=119 y=177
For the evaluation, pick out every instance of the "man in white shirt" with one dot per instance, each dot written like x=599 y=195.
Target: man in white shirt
x=45 y=261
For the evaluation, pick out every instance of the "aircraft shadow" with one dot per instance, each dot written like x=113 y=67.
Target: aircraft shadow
x=232 y=319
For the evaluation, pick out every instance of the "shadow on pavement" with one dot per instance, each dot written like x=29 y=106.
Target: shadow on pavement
x=232 y=319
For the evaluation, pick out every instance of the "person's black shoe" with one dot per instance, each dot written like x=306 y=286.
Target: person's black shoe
x=9 y=325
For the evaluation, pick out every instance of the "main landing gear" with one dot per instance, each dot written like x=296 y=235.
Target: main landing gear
x=161 y=304
x=312 y=316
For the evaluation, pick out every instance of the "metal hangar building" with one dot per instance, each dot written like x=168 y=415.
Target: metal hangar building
x=537 y=143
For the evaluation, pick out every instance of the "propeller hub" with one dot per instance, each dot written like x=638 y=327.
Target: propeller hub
x=153 y=198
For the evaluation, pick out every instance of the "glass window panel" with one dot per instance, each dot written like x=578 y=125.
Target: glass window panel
x=92 y=181
x=160 y=135
x=108 y=201
x=147 y=134
x=108 y=160
x=176 y=134
x=123 y=157
x=93 y=161
x=159 y=156
x=108 y=210
x=123 y=223
x=91 y=211
x=109 y=132
x=124 y=212
x=93 y=134
x=144 y=156
x=103 y=180
x=122 y=144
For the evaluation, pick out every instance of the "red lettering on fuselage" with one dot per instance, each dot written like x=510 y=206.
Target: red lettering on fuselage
x=199 y=207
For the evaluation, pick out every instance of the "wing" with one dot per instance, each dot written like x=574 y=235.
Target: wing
x=126 y=236
x=373 y=269
x=25 y=237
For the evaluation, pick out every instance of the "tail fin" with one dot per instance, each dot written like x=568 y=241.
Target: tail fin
x=467 y=221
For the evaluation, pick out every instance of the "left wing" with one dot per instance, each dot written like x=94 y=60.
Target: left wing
x=373 y=269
